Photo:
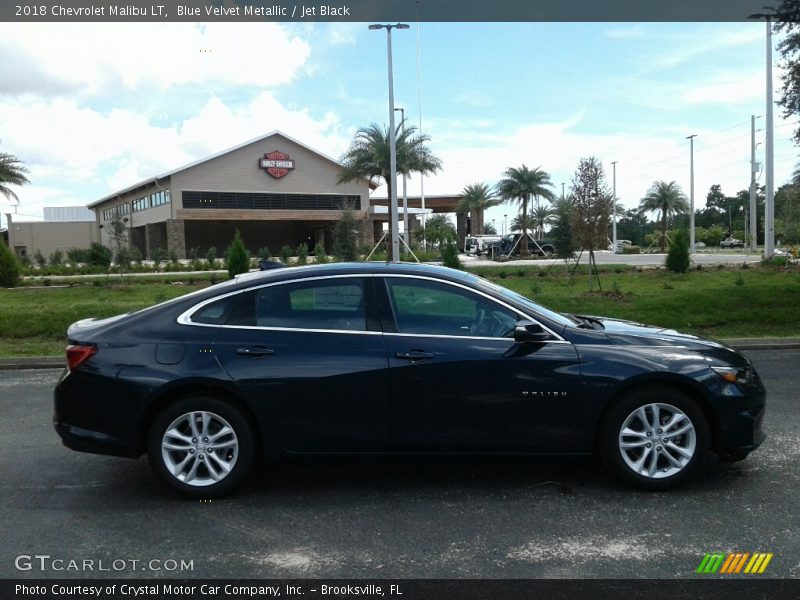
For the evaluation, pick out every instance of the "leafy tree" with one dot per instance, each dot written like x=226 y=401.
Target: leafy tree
x=345 y=236
x=788 y=23
x=475 y=199
x=562 y=229
x=369 y=156
x=678 y=256
x=591 y=204
x=518 y=185
x=489 y=229
x=9 y=267
x=237 y=258
x=119 y=243
x=667 y=199
x=633 y=226
x=12 y=171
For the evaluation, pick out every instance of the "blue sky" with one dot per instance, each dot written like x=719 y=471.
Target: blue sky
x=92 y=108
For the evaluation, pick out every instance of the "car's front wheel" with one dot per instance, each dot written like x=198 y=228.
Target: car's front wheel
x=201 y=446
x=654 y=438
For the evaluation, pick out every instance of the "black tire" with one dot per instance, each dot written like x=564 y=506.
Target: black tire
x=665 y=398
x=241 y=458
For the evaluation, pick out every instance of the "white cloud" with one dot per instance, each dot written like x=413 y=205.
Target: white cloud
x=97 y=57
x=60 y=141
x=687 y=46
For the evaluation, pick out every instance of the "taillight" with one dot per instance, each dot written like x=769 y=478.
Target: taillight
x=78 y=354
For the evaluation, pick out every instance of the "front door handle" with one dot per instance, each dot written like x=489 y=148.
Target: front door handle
x=414 y=355
x=255 y=351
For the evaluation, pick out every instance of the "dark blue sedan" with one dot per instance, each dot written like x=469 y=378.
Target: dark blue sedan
x=395 y=358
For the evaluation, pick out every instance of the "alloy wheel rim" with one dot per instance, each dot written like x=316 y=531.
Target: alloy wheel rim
x=657 y=440
x=199 y=448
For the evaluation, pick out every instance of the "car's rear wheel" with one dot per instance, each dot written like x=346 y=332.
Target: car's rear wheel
x=654 y=438
x=201 y=446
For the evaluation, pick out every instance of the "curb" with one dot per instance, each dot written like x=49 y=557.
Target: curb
x=58 y=362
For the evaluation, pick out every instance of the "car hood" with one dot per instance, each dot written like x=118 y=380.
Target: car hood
x=621 y=331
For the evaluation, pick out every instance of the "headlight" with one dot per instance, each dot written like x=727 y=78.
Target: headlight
x=734 y=374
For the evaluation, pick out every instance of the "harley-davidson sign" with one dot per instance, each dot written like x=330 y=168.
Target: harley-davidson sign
x=276 y=164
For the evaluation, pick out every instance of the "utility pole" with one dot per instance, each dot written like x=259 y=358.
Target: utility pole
x=769 y=218
x=613 y=209
x=562 y=190
x=753 y=186
x=392 y=143
x=691 y=191
x=405 y=193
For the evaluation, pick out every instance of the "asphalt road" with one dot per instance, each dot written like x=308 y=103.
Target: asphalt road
x=642 y=260
x=499 y=518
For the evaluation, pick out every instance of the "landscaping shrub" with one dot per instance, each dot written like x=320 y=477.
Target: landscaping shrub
x=77 y=255
x=678 y=255
x=450 y=255
x=302 y=254
x=631 y=249
x=57 y=257
x=9 y=267
x=286 y=252
x=319 y=254
x=237 y=259
x=98 y=256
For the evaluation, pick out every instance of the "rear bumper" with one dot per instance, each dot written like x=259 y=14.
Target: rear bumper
x=94 y=442
x=96 y=414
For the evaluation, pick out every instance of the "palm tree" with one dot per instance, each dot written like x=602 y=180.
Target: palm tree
x=519 y=184
x=11 y=171
x=541 y=216
x=666 y=198
x=369 y=156
x=475 y=198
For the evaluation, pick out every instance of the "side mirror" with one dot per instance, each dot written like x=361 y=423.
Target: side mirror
x=528 y=331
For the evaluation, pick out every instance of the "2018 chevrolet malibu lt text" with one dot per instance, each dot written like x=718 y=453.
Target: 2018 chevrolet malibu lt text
x=395 y=358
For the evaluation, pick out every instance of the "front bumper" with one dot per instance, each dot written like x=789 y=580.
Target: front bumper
x=740 y=419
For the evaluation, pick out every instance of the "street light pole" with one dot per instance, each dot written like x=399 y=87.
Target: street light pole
x=691 y=192
x=769 y=209
x=392 y=142
x=405 y=193
x=613 y=209
x=505 y=217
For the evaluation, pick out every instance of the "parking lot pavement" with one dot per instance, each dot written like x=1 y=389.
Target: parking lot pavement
x=467 y=517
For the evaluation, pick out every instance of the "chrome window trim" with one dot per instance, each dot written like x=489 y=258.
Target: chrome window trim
x=558 y=340
x=185 y=317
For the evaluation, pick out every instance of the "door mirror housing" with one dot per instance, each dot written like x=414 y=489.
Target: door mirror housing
x=528 y=331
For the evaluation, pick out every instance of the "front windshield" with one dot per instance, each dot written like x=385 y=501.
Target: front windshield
x=525 y=302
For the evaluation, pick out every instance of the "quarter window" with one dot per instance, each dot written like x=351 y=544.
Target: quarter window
x=430 y=308
x=320 y=304
x=336 y=304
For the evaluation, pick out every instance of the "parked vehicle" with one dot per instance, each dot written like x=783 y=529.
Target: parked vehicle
x=511 y=245
x=479 y=244
x=395 y=358
x=619 y=247
x=731 y=242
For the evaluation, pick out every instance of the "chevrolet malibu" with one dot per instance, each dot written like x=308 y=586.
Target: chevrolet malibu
x=395 y=358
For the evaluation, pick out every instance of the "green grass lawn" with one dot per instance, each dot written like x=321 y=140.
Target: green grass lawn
x=752 y=302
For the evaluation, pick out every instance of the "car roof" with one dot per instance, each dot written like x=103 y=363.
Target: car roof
x=350 y=268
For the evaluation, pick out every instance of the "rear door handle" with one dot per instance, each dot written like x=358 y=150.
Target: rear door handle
x=414 y=355
x=255 y=351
